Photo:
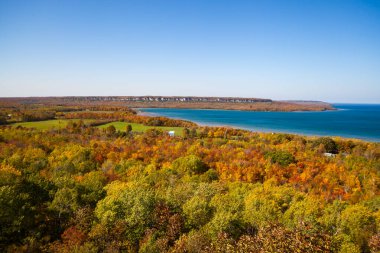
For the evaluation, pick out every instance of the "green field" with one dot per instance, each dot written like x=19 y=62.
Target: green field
x=48 y=124
x=121 y=126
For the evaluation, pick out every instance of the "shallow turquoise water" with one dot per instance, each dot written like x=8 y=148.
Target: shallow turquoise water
x=351 y=120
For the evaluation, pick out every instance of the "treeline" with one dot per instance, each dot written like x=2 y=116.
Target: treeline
x=104 y=113
x=37 y=115
x=36 y=112
x=128 y=117
x=80 y=189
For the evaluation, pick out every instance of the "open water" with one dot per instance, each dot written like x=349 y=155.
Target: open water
x=360 y=121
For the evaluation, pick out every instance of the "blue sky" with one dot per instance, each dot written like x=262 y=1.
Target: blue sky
x=318 y=50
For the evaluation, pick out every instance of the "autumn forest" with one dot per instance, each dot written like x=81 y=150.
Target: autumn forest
x=80 y=187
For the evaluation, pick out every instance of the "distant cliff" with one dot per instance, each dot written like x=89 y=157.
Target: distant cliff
x=169 y=99
x=225 y=103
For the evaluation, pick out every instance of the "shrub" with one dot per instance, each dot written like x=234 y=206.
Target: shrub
x=281 y=157
x=328 y=143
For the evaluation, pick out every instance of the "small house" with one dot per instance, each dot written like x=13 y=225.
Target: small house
x=171 y=133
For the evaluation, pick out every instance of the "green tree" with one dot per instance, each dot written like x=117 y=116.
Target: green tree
x=65 y=202
x=359 y=224
x=226 y=222
x=16 y=215
x=133 y=205
x=190 y=164
x=331 y=215
x=267 y=204
x=281 y=157
x=3 y=119
x=197 y=211
x=305 y=210
x=111 y=130
x=329 y=144
x=193 y=132
x=128 y=129
x=91 y=187
x=186 y=133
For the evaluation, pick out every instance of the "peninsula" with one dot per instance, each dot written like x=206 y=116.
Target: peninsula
x=223 y=103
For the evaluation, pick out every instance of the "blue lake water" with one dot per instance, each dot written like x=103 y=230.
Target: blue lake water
x=360 y=121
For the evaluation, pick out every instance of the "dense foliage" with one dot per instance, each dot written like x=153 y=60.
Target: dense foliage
x=83 y=189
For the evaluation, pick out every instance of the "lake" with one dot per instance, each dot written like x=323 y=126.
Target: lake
x=360 y=121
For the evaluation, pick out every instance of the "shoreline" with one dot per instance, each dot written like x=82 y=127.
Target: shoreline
x=307 y=133
x=257 y=107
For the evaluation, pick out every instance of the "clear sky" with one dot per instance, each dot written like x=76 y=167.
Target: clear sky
x=317 y=50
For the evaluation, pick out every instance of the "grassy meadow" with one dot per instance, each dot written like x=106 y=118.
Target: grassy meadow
x=121 y=126
x=48 y=124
